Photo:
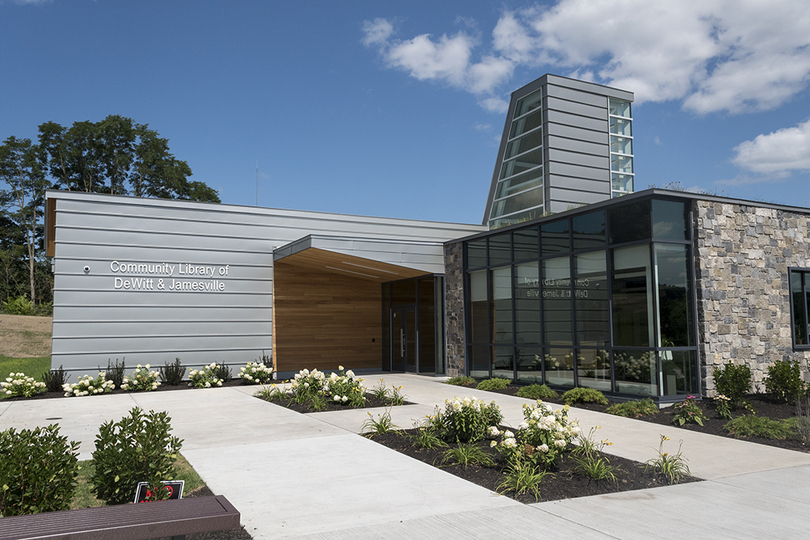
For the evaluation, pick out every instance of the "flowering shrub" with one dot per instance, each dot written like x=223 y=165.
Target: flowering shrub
x=21 y=385
x=723 y=406
x=142 y=380
x=468 y=419
x=88 y=386
x=205 y=377
x=306 y=384
x=256 y=373
x=541 y=438
x=688 y=412
x=345 y=388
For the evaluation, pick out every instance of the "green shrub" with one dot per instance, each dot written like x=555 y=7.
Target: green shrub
x=115 y=372
x=634 y=409
x=21 y=385
x=734 y=382
x=223 y=372
x=21 y=305
x=37 y=471
x=141 y=380
x=205 y=377
x=172 y=374
x=461 y=380
x=493 y=384
x=760 y=426
x=584 y=395
x=55 y=379
x=784 y=381
x=138 y=448
x=468 y=419
x=537 y=391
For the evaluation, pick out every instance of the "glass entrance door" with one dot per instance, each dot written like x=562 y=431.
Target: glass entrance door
x=403 y=339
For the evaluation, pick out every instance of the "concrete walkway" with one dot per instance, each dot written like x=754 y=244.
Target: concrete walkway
x=311 y=476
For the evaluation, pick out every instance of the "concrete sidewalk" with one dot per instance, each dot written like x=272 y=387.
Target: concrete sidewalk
x=311 y=476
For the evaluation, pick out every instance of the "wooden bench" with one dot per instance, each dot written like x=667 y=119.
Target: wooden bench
x=144 y=521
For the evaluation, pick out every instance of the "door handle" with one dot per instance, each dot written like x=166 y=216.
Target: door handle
x=402 y=342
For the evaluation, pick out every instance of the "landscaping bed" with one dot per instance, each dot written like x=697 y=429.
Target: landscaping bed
x=762 y=404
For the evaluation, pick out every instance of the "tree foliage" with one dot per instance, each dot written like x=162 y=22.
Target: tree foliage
x=115 y=155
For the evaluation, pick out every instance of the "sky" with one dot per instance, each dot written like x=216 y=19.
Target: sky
x=396 y=108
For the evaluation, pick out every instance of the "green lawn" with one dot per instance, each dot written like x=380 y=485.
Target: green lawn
x=33 y=367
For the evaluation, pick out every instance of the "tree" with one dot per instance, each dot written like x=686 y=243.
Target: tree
x=21 y=169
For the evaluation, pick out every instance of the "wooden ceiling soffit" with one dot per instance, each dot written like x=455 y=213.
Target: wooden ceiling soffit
x=321 y=260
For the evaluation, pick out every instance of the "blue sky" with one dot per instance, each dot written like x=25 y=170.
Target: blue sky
x=395 y=108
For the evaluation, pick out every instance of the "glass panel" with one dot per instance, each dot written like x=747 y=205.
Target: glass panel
x=526 y=245
x=678 y=373
x=593 y=369
x=502 y=305
x=674 y=305
x=427 y=325
x=621 y=163
x=503 y=362
x=524 y=144
x=622 y=182
x=527 y=303
x=479 y=323
x=530 y=365
x=500 y=249
x=386 y=312
x=559 y=364
x=529 y=103
x=557 y=301
x=621 y=145
x=477 y=253
x=591 y=299
x=520 y=183
x=523 y=163
x=633 y=370
x=669 y=220
x=527 y=123
x=632 y=301
x=410 y=339
x=621 y=126
x=619 y=107
x=438 y=302
x=515 y=203
x=589 y=230
x=479 y=361
x=554 y=237
x=629 y=222
x=403 y=292
x=520 y=217
x=799 y=310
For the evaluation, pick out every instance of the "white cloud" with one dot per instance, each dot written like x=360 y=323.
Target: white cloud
x=495 y=104
x=376 y=32
x=713 y=55
x=777 y=153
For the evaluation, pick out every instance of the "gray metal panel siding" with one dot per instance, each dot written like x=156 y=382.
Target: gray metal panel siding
x=580 y=109
x=583 y=122
x=576 y=95
x=581 y=147
x=580 y=184
x=599 y=137
x=588 y=87
x=94 y=321
x=577 y=197
x=566 y=169
x=578 y=159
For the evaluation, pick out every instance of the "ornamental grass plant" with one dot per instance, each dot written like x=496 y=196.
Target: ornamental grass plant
x=672 y=468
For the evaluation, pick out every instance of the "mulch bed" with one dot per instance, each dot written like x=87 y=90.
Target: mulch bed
x=761 y=403
x=371 y=401
x=564 y=484
x=162 y=388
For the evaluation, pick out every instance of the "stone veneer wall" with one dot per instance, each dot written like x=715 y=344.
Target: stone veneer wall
x=742 y=259
x=454 y=307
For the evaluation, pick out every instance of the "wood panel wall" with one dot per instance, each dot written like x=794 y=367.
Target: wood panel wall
x=323 y=320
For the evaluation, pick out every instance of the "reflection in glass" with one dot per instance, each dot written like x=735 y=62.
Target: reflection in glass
x=799 y=309
x=515 y=203
x=619 y=107
x=523 y=163
x=403 y=292
x=524 y=144
x=500 y=249
x=589 y=230
x=527 y=303
x=674 y=305
x=629 y=222
x=554 y=237
x=621 y=126
x=519 y=183
x=502 y=305
x=633 y=372
x=503 y=362
x=479 y=361
x=559 y=365
x=528 y=103
x=427 y=326
x=529 y=364
x=593 y=369
x=527 y=123
x=477 y=253
x=678 y=374
x=479 y=323
x=557 y=301
x=525 y=242
x=632 y=301
x=669 y=220
x=591 y=300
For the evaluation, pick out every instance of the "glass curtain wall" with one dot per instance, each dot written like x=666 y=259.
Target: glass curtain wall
x=602 y=299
